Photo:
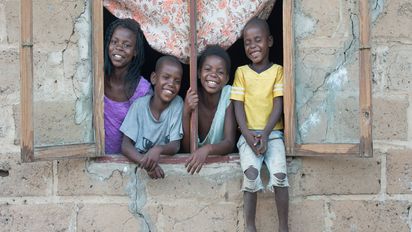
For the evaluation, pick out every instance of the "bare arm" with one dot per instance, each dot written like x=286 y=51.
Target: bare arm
x=250 y=136
x=273 y=119
x=198 y=158
x=130 y=151
x=190 y=104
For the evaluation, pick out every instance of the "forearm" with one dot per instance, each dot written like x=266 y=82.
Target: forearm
x=275 y=115
x=186 y=131
x=130 y=151
x=240 y=115
x=168 y=149
x=223 y=148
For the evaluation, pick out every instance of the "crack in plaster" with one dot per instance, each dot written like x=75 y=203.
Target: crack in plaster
x=329 y=217
x=334 y=80
x=409 y=222
x=136 y=190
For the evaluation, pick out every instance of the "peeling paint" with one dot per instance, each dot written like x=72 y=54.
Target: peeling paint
x=377 y=8
x=303 y=24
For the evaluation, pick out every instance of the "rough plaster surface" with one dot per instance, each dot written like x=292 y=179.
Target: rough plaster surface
x=325 y=71
x=330 y=194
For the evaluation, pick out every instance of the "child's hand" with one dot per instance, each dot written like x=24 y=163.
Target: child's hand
x=263 y=144
x=156 y=173
x=253 y=140
x=150 y=159
x=191 y=101
x=196 y=160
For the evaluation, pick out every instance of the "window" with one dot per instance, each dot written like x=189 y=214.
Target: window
x=30 y=152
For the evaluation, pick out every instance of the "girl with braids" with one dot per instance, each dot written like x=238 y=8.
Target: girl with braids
x=123 y=59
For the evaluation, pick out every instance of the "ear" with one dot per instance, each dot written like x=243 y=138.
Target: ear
x=270 y=40
x=153 y=78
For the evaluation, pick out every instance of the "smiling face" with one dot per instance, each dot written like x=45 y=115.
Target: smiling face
x=167 y=80
x=213 y=74
x=122 y=47
x=257 y=42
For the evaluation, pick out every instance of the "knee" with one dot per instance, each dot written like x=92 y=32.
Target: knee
x=280 y=180
x=251 y=173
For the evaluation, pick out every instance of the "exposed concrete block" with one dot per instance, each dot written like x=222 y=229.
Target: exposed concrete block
x=390 y=23
x=54 y=124
x=336 y=175
x=12 y=11
x=399 y=171
x=215 y=182
x=306 y=215
x=332 y=19
x=187 y=215
x=106 y=217
x=390 y=117
x=56 y=33
x=37 y=217
x=76 y=177
x=9 y=78
x=24 y=179
x=392 y=67
x=370 y=216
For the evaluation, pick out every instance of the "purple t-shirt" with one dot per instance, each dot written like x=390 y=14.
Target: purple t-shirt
x=114 y=114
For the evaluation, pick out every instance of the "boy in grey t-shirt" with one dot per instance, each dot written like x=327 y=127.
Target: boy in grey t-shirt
x=153 y=124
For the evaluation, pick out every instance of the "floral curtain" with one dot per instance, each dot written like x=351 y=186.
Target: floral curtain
x=166 y=23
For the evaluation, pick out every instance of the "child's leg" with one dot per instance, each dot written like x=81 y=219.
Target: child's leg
x=282 y=205
x=249 y=208
x=275 y=160
x=251 y=165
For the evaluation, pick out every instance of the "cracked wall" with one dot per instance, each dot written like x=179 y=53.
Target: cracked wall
x=327 y=43
x=331 y=194
x=62 y=72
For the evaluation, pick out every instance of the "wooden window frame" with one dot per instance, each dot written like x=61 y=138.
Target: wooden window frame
x=364 y=148
x=31 y=153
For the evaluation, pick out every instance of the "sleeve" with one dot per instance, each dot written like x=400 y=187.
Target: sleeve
x=278 y=86
x=238 y=87
x=130 y=122
x=176 y=131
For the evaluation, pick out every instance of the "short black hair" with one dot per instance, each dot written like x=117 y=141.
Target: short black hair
x=215 y=50
x=133 y=75
x=167 y=58
x=256 y=21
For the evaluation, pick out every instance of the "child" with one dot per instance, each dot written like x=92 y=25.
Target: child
x=153 y=125
x=257 y=93
x=217 y=126
x=123 y=58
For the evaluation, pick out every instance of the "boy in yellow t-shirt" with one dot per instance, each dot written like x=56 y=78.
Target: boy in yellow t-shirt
x=258 y=100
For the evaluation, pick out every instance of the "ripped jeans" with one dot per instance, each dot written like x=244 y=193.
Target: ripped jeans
x=274 y=158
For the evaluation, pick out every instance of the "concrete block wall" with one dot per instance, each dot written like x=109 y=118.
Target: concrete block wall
x=326 y=193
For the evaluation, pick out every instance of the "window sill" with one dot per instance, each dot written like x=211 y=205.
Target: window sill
x=176 y=159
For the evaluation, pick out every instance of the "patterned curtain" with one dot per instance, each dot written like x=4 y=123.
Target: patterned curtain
x=166 y=23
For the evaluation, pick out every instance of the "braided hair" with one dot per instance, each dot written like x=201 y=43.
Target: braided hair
x=133 y=75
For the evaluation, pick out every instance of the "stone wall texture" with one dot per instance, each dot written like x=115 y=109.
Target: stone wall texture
x=327 y=194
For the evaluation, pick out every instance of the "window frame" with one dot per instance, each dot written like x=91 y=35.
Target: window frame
x=29 y=152
x=365 y=147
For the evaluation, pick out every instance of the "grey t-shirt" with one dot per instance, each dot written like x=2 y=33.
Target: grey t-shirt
x=141 y=127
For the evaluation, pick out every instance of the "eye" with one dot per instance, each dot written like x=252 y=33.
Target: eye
x=127 y=46
x=113 y=42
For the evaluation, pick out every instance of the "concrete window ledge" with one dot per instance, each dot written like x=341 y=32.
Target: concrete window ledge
x=176 y=159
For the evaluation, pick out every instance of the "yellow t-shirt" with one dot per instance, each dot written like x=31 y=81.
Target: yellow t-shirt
x=257 y=91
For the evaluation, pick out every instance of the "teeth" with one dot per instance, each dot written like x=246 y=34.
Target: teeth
x=168 y=91
x=117 y=56
x=211 y=83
